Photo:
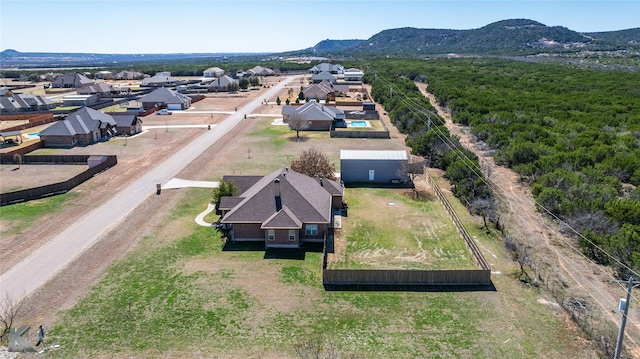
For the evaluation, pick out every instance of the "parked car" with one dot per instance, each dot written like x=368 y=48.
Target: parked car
x=164 y=111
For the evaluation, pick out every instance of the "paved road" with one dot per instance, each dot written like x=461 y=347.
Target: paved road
x=45 y=262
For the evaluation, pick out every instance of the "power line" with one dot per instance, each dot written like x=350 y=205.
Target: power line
x=453 y=146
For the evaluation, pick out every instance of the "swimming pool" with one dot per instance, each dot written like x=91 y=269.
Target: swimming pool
x=359 y=124
x=32 y=135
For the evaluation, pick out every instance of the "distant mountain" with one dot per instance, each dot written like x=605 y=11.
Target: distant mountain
x=326 y=46
x=507 y=37
x=11 y=58
x=630 y=36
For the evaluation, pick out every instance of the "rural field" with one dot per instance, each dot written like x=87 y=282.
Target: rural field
x=174 y=288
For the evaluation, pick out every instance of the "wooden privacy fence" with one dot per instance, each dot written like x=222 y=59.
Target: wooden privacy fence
x=23 y=150
x=360 y=134
x=405 y=277
x=56 y=188
x=416 y=278
x=473 y=248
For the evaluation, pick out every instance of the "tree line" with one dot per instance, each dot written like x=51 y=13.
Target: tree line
x=427 y=136
x=572 y=134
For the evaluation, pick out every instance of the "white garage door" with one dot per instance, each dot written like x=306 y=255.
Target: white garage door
x=174 y=106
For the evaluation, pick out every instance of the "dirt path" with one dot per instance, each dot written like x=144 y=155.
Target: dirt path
x=579 y=277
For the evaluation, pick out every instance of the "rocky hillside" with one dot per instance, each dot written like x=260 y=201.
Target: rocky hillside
x=507 y=37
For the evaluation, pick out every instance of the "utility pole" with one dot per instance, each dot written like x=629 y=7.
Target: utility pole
x=623 y=323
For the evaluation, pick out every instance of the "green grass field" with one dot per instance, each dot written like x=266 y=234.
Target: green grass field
x=387 y=229
x=187 y=297
x=179 y=294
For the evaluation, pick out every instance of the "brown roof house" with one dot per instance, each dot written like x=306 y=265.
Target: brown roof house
x=81 y=127
x=284 y=208
x=320 y=117
x=71 y=79
x=127 y=123
x=163 y=97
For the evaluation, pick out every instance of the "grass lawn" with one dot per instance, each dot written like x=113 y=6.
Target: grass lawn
x=114 y=108
x=185 y=297
x=387 y=229
x=16 y=217
x=178 y=294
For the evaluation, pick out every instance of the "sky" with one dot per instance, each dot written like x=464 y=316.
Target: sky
x=214 y=26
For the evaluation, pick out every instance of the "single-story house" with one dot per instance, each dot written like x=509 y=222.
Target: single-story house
x=160 y=79
x=323 y=76
x=353 y=74
x=129 y=75
x=81 y=127
x=24 y=103
x=284 y=209
x=320 y=117
x=261 y=71
x=71 y=79
x=127 y=123
x=327 y=67
x=163 y=97
x=221 y=83
x=319 y=90
x=373 y=166
x=98 y=89
x=213 y=72
x=103 y=75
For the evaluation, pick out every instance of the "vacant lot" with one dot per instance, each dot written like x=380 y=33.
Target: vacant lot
x=15 y=178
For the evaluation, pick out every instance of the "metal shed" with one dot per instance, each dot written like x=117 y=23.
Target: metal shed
x=373 y=166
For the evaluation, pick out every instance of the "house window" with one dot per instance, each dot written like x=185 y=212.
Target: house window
x=292 y=235
x=271 y=236
x=311 y=229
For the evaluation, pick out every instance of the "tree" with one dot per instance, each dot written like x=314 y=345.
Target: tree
x=314 y=163
x=301 y=95
x=233 y=87
x=9 y=310
x=278 y=101
x=244 y=83
x=17 y=158
x=409 y=171
x=297 y=124
x=254 y=81
x=224 y=189
x=287 y=102
x=485 y=207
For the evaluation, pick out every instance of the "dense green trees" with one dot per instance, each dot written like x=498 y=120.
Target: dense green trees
x=574 y=134
x=413 y=115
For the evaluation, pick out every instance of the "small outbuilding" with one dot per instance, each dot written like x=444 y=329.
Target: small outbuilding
x=381 y=167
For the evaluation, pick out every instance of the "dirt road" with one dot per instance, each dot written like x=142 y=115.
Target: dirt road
x=579 y=278
x=45 y=262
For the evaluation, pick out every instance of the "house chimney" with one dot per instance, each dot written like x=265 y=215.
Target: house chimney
x=276 y=187
x=276 y=194
x=321 y=184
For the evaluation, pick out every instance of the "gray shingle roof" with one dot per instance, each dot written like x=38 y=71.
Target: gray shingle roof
x=313 y=111
x=83 y=121
x=164 y=95
x=125 y=119
x=301 y=195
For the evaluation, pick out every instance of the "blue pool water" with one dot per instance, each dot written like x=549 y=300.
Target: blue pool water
x=33 y=134
x=359 y=124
